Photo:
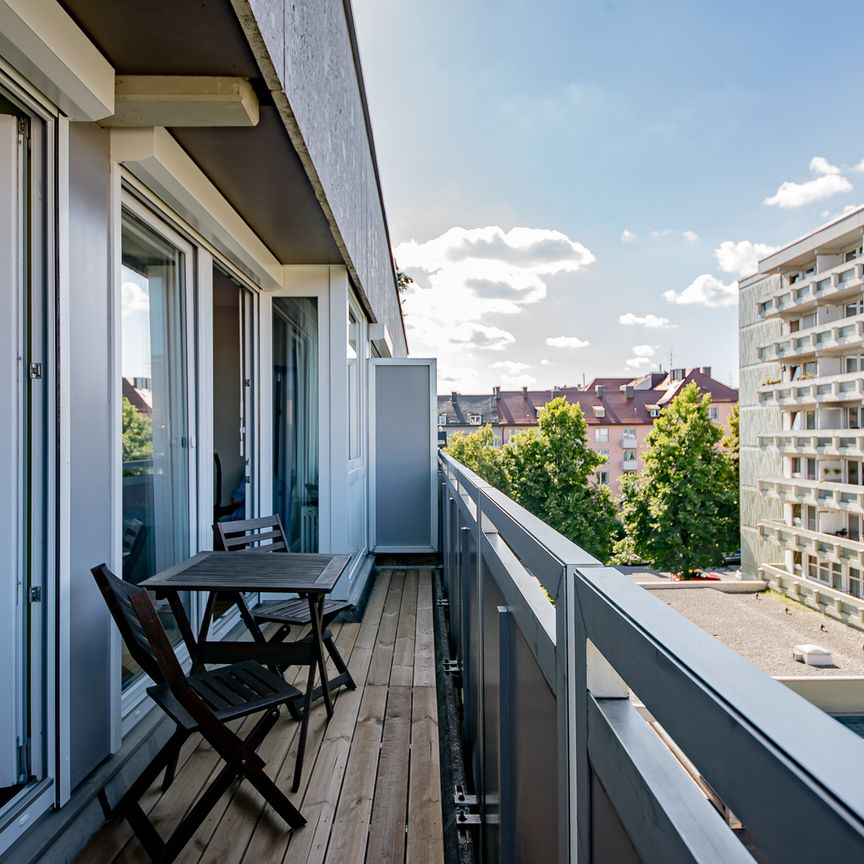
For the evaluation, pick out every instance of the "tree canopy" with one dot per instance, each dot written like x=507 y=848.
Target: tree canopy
x=477 y=451
x=681 y=512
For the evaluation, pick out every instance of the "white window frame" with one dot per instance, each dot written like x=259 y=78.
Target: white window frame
x=601 y=434
x=132 y=697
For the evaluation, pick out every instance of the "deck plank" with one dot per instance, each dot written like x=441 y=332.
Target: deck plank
x=402 y=670
x=425 y=822
x=351 y=825
x=424 y=640
x=382 y=654
x=389 y=808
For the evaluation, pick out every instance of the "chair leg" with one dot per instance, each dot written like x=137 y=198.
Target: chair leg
x=304 y=728
x=171 y=768
x=339 y=663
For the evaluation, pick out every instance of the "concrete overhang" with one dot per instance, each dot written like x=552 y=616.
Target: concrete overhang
x=182 y=100
x=825 y=240
x=256 y=168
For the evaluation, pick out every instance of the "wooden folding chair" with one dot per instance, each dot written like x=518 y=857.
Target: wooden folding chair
x=268 y=535
x=203 y=703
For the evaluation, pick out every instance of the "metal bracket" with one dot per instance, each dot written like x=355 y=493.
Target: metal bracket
x=443 y=602
x=36 y=594
x=463 y=803
x=452 y=667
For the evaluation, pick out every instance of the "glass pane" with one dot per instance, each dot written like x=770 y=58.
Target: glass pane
x=155 y=434
x=295 y=420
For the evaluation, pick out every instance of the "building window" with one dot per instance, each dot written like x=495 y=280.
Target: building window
x=811 y=468
x=853 y=363
x=853 y=526
x=154 y=292
x=855 y=582
x=853 y=418
x=355 y=359
x=603 y=478
x=630 y=456
x=475 y=419
x=295 y=419
x=442 y=419
x=654 y=412
x=713 y=412
x=629 y=432
x=811 y=519
x=601 y=434
x=837 y=576
x=796 y=563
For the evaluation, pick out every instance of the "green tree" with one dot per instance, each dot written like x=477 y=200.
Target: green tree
x=732 y=451
x=681 y=510
x=477 y=451
x=137 y=434
x=551 y=471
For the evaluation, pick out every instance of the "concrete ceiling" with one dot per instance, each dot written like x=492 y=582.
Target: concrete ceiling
x=256 y=169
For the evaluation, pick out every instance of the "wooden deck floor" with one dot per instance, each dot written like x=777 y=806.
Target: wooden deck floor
x=371 y=787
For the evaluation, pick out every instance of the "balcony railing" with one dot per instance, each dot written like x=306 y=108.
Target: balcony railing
x=817 y=341
x=817 y=493
x=845 y=387
x=565 y=766
x=838 y=281
x=830 y=547
x=816 y=442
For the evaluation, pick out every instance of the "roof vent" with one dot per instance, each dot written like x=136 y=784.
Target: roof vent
x=812 y=655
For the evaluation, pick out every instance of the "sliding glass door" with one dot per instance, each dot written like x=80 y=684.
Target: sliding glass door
x=155 y=283
x=295 y=419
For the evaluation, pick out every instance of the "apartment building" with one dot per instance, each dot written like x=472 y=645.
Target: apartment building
x=802 y=441
x=620 y=412
x=198 y=298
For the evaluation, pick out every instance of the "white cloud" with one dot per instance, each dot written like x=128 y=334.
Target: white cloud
x=511 y=366
x=133 y=298
x=741 y=258
x=464 y=275
x=643 y=355
x=828 y=182
x=689 y=236
x=544 y=362
x=628 y=236
x=706 y=290
x=820 y=165
x=566 y=342
x=653 y=322
x=514 y=382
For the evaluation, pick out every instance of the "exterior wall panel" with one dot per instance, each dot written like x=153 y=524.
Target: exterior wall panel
x=91 y=422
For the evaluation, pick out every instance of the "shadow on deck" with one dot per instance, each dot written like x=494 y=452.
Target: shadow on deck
x=371 y=787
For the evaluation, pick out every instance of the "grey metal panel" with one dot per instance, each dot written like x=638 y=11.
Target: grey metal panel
x=91 y=423
x=667 y=817
x=403 y=457
x=535 y=758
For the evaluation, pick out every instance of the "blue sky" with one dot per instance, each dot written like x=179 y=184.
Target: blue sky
x=573 y=122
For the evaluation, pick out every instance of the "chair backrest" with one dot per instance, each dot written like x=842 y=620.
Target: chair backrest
x=146 y=640
x=264 y=534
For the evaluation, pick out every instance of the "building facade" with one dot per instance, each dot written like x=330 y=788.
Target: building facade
x=197 y=279
x=620 y=412
x=802 y=374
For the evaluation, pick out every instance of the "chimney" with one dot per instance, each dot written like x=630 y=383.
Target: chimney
x=706 y=370
x=525 y=392
x=599 y=390
x=628 y=391
x=454 y=396
x=496 y=391
x=678 y=374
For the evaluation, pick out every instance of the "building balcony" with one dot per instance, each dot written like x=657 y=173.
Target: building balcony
x=628 y=442
x=843 y=280
x=816 y=442
x=847 y=387
x=826 y=339
x=815 y=493
x=629 y=464
x=827 y=546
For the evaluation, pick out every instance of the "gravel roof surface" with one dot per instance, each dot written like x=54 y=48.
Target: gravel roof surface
x=759 y=628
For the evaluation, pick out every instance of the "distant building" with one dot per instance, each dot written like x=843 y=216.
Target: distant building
x=802 y=459
x=619 y=411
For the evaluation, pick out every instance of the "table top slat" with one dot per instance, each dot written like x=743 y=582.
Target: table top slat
x=251 y=571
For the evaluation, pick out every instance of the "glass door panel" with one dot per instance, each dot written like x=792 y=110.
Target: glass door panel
x=295 y=420
x=156 y=522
